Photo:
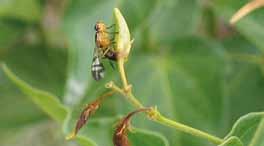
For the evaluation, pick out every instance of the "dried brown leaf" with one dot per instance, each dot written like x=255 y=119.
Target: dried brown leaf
x=87 y=112
x=120 y=136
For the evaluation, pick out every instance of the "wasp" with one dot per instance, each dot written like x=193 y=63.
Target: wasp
x=103 y=49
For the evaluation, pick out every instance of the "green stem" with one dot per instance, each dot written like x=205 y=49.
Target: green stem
x=157 y=117
x=184 y=128
x=129 y=96
x=122 y=72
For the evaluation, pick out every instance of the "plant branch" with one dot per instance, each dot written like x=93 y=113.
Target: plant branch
x=154 y=114
x=128 y=95
x=122 y=73
x=184 y=128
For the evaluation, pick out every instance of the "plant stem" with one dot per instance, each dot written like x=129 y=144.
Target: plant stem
x=129 y=96
x=157 y=117
x=184 y=128
x=122 y=72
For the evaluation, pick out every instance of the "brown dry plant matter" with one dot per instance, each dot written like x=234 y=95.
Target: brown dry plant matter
x=120 y=136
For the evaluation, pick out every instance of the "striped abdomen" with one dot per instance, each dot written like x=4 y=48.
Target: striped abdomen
x=97 y=69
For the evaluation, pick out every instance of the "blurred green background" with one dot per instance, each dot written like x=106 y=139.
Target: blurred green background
x=186 y=59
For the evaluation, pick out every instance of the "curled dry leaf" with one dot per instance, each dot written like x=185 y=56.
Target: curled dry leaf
x=249 y=7
x=87 y=112
x=120 y=136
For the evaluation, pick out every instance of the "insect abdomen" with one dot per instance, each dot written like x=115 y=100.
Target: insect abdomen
x=97 y=69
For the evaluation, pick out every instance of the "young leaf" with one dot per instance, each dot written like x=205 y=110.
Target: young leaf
x=249 y=129
x=46 y=101
x=232 y=141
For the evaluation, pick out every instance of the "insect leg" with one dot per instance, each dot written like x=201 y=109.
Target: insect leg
x=106 y=51
x=112 y=65
x=110 y=26
x=115 y=32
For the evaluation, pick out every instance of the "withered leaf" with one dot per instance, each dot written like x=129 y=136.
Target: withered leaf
x=120 y=137
x=86 y=113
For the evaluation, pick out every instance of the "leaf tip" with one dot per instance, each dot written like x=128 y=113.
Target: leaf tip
x=71 y=136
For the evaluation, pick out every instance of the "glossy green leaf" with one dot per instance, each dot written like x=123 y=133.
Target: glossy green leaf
x=232 y=141
x=250 y=26
x=46 y=101
x=249 y=129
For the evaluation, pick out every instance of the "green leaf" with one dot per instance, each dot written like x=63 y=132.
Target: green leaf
x=250 y=26
x=9 y=34
x=47 y=73
x=147 y=138
x=244 y=82
x=249 y=129
x=138 y=12
x=190 y=73
x=27 y=10
x=38 y=134
x=258 y=137
x=46 y=101
x=232 y=141
x=84 y=141
x=23 y=111
x=176 y=19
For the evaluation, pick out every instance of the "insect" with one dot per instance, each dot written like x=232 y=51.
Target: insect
x=103 y=49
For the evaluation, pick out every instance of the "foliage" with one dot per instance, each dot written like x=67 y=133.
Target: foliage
x=186 y=60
